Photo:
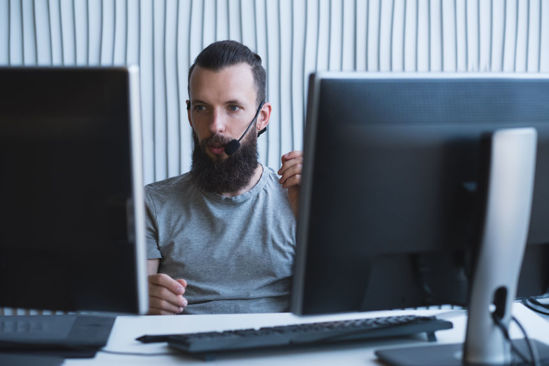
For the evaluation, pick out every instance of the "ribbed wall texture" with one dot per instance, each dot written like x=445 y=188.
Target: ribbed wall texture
x=294 y=38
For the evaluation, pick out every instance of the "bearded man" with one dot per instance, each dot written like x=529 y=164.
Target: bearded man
x=221 y=238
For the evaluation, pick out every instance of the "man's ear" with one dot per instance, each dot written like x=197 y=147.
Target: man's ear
x=264 y=116
x=189 y=112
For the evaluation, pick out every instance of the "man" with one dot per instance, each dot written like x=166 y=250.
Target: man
x=221 y=238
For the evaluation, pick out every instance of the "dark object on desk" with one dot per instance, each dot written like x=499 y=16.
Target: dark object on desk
x=445 y=355
x=207 y=344
x=26 y=360
x=75 y=336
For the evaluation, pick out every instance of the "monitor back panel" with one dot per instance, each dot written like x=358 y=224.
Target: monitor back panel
x=393 y=194
x=67 y=239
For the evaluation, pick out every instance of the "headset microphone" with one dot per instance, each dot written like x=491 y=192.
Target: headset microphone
x=234 y=144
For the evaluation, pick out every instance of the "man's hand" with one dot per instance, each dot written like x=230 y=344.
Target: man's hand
x=166 y=295
x=292 y=165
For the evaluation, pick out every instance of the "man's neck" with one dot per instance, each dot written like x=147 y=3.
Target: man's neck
x=253 y=181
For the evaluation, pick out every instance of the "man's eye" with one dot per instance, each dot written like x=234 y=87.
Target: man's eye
x=234 y=108
x=199 y=108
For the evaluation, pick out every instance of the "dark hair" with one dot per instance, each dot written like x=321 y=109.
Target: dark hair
x=227 y=53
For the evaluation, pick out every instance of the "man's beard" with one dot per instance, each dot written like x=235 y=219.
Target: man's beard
x=228 y=175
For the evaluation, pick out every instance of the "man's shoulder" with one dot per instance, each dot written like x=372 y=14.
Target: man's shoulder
x=173 y=185
x=274 y=190
x=272 y=179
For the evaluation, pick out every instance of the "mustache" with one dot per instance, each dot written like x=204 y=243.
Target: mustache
x=215 y=140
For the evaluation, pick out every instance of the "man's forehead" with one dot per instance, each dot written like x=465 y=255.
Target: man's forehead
x=230 y=82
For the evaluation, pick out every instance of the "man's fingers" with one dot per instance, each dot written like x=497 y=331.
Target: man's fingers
x=182 y=282
x=291 y=172
x=161 y=279
x=165 y=294
x=294 y=155
x=292 y=181
x=290 y=164
x=164 y=305
x=291 y=155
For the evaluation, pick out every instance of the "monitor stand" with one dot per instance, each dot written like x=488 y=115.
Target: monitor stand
x=507 y=219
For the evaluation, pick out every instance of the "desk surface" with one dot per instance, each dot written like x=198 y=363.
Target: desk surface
x=127 y=328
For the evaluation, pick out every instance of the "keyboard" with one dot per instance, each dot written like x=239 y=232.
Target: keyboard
x=208 y=344
x=78 y=336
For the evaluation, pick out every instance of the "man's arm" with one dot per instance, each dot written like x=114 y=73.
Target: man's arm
x=165 y=293
x=292 y=165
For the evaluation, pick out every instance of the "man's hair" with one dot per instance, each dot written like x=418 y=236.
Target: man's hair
x=227 y=53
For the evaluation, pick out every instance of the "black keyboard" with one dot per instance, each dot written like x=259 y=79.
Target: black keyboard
x=208 y=344
x=67 y=335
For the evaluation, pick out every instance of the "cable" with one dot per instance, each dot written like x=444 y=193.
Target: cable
x=136 y=353
x=533 y=304
x=534 y=360
x=531 y=348
x=505 y=333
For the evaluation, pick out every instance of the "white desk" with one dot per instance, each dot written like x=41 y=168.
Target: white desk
x=127 y=328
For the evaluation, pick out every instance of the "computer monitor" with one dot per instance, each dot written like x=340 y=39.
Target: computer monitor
x=394 y=184
x=72 y=217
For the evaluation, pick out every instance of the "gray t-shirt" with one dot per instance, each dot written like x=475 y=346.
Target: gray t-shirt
x=236 y=253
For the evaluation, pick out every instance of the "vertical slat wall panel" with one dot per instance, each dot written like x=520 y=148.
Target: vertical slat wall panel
x=360 y=34
x=544 y=37
x=285 y=88
x=461 y=35
x=81 y=32
x=159 y=116
x=29 y=35
x=272 y=57
x=15 y=38
x=4 y=32
x=294 y=38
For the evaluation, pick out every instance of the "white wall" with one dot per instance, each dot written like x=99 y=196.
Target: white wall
x=293 y=38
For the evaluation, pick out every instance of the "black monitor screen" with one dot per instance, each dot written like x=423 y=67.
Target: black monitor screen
x=391 y=205
x=70 y=170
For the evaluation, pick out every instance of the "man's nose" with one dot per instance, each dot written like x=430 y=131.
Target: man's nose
x=218 y=122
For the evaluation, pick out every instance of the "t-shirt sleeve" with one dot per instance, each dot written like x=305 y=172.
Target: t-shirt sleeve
x=151 y=228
